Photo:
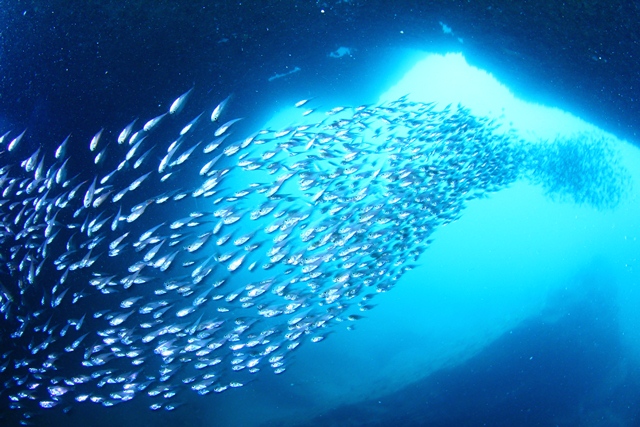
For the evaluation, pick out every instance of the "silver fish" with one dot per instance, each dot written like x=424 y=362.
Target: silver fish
x=135 y=184
x=178 y=104
x=190 y=125
x=14 y=143
x=153 y=122
x=218 y=110
x=222 y=129
x=122 y=137
x=62 y=148
x=30 y=164
x=88 y=196
x=95 y=140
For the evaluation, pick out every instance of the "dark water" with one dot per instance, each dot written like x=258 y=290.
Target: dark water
x=77 y=68
x=562 y=367
x=111 y=59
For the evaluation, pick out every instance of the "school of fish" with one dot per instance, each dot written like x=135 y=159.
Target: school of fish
x=126 y=275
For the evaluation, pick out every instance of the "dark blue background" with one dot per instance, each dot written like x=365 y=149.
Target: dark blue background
x=108 y=60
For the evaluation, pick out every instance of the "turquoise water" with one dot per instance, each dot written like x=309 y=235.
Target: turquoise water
x=518 y=262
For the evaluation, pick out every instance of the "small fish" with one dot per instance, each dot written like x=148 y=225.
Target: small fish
x=14 y=144
x=135 y=184
x=302 y=102
x=202 y=239
x=61 y=173
x=56 y=301
x=152 y=252
x=214 y=144
x=189 y=125
x=215 y=115
x=120 y=318
x=80 y=322
x=185 y=311
x=88 y=196
x=30 y=164
x=117 y=241
x=233 y=265
x=100 y=199
x=62 y=148
x=184 y=156
x=132 y=150
x=153 y=122
x=202 y=297
x=95 y=140
x=76 y=343
x=141 y=159
x=129 y=302
x=178 y=104
x=39 y=172
x=120 y=195
x=100 y=156
x=126 y=132
x=116 y=220
x=4 y=136
x=167 y=158
x=205 y=169
x=136 y=135
x=222 y=129
x=107 y=177
x=138 y=210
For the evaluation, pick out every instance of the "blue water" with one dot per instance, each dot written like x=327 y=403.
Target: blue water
x=521 y=313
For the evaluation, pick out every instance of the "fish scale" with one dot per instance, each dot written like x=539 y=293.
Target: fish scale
x=337 y=210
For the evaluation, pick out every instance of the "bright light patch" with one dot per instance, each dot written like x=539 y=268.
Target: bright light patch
x=485 y=273
x=449 y=79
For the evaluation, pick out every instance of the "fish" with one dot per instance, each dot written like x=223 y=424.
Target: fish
x=88 y=196
x=135 y=184
x=151 y=124
x=178 y=104
x=105 y=178
x=101 y=198
x=120 y=318
x=4 y=136
x=132 y=150
x=167 y=158
x=95 y=140
x=190 y=125
x=62 y=148
x=214 y=144
x=184 y=156
x=215 y=115
x=302 y=102
x=217 y=270
x=124 y=134
x=222 y=129
x=61 y=173
x=138 y=210
x=142 y=158
x=30 y=164
x=100 y=156
x=202 y=239
x=119 y=195
x=14 y=143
